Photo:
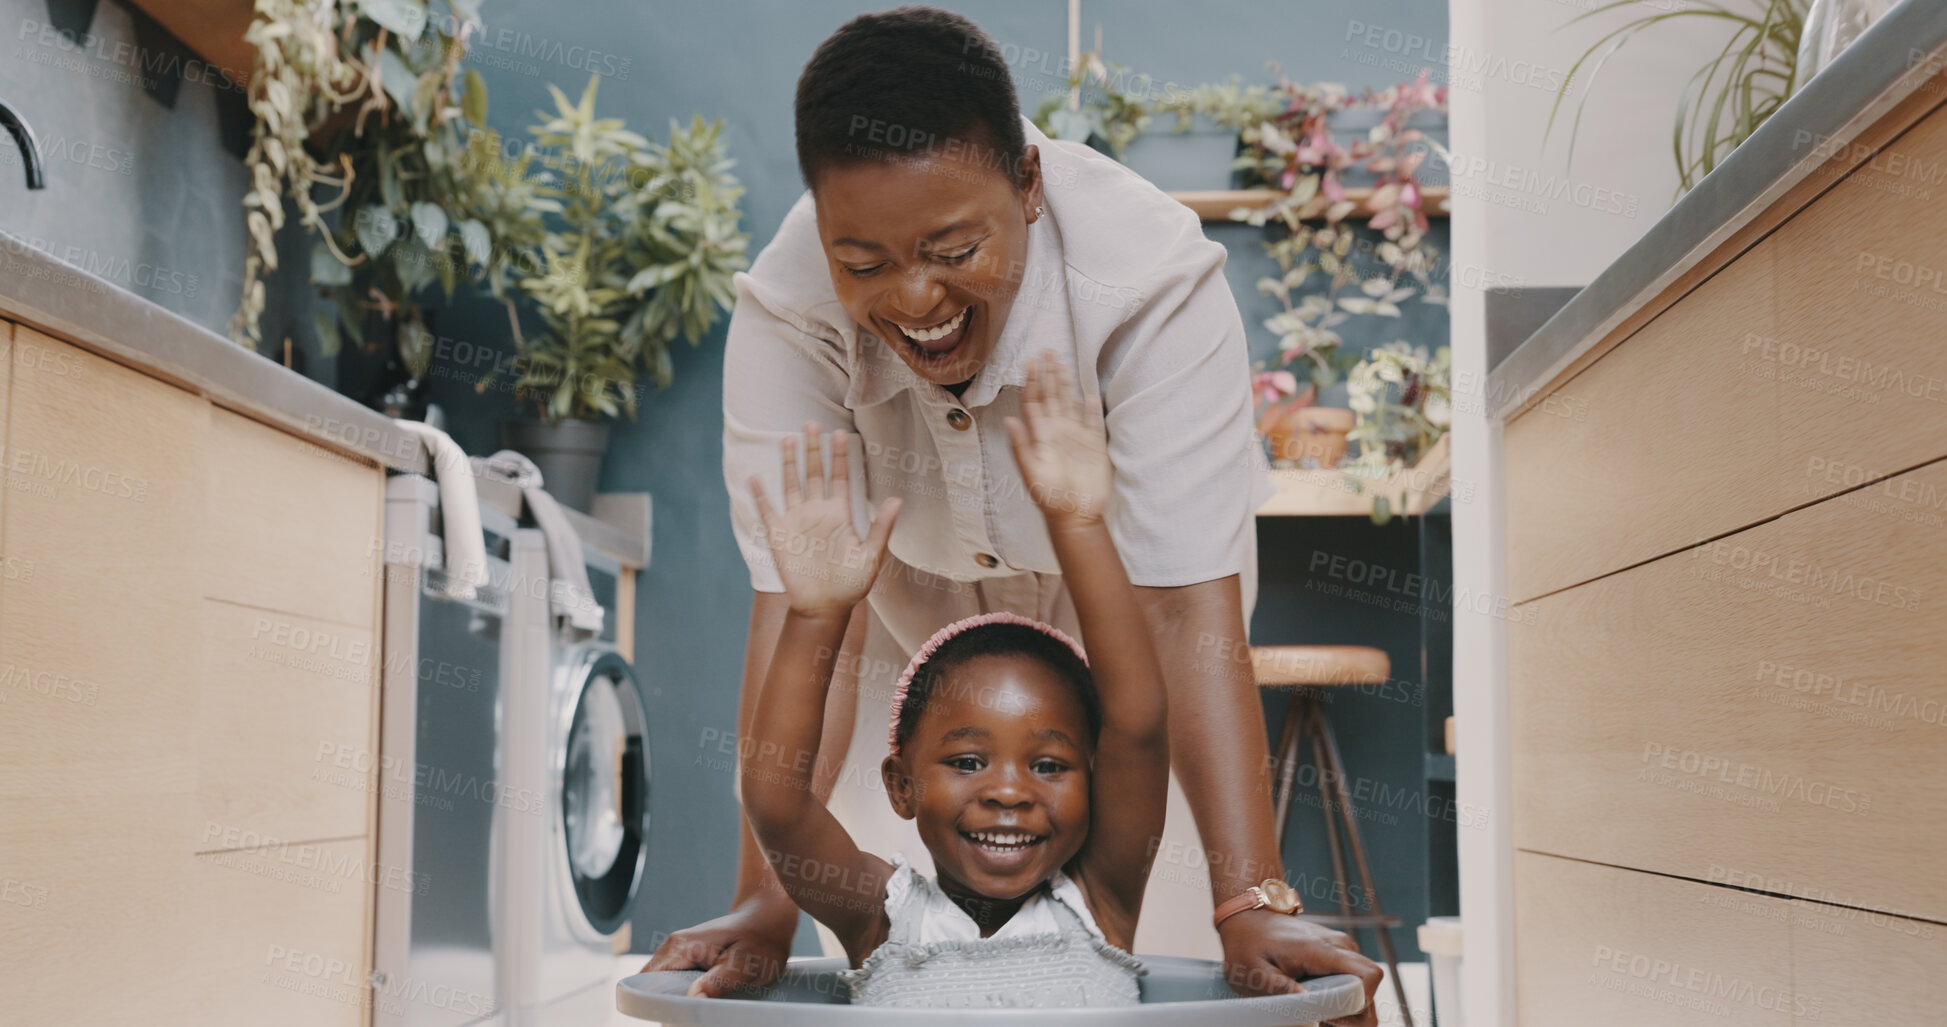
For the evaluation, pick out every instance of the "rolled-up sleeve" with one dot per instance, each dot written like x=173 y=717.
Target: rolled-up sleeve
x=779 y=371
x=1189 y=470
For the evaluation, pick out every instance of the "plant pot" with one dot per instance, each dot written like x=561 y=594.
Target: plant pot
x=569 y=455
x=1309 y=436
x=1198 y=159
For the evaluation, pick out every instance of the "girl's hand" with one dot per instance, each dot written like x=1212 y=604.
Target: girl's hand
x=825 y=567
x=1062 y=450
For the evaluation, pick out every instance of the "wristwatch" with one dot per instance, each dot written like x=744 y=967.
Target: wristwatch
x=1271 y=893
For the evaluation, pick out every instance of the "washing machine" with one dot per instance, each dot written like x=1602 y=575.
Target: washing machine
x=572 y=739
x=442 y=811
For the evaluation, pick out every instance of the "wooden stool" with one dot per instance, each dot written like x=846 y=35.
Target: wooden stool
x=1312 y=667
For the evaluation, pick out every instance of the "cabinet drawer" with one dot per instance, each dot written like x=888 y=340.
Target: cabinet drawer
x=1766 y=704
x=292 y=526
x=283 y=935
x=99 y=604
x=1869 y=968
x=284 y=698
x=1598 y=946
x=1811 y=363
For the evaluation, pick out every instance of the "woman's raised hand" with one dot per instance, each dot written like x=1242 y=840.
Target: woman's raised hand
x=825 y=566
x=1062 y=450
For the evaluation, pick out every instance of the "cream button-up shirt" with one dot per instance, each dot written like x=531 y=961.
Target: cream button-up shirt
x=1122 y=283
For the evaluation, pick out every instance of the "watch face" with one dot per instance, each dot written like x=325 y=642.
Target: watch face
x=1279 y=896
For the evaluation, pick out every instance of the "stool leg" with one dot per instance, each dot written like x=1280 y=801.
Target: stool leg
x=1287 y=760
x=1324 y=730
x=1314 y=718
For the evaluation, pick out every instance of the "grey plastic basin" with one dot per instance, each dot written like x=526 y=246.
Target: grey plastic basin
x=809 y=994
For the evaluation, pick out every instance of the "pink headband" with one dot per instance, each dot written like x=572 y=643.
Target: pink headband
x=939 y=638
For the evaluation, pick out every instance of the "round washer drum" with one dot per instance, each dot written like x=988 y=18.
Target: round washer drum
x=603 y=776
x=1174 y=991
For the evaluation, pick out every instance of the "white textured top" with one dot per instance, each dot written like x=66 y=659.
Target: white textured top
x=944 y=921
x=1122 y=283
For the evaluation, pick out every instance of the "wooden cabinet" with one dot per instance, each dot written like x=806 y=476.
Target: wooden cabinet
x=1727 y=534
x=1808 y=364
x=1596 y=949
x=189 y=658
x=1769 y=704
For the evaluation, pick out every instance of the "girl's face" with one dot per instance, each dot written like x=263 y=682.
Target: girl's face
x=929 y=243
x=997 y=776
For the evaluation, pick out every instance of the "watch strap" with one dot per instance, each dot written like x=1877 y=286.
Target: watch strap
x=1249 y=898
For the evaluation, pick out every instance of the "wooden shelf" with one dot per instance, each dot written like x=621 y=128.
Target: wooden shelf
x=1216 y=204
x=212 y=28
x=1335 y=493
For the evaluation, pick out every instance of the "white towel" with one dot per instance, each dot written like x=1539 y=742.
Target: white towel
x=459 y=504
x=568 y=592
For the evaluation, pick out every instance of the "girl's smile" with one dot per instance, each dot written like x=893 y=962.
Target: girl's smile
x=996 y=776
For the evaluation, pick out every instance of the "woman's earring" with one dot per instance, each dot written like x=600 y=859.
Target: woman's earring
x=1040 y=212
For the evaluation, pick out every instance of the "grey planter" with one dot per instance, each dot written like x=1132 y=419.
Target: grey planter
x=1197 y=159
x=569 y=455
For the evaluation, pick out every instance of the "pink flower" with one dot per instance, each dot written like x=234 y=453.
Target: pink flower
x=1272 y=386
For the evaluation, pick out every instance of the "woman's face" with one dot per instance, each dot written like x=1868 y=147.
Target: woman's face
x=996 y=775
x=929 y=244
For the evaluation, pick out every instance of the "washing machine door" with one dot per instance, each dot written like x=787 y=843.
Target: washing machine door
x=604 y=787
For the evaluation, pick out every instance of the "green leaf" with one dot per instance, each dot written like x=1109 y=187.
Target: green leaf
x=426 y=96
x=375 y=227
x=398 y=79
x=430 y=221
x=1072 y=125
x=415 y=348
x=478 y=241
x=474 y=99
x=326 y=322
x=326 y=268
x=405 y=18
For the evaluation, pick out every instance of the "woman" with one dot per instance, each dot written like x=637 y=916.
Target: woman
x=942 y=241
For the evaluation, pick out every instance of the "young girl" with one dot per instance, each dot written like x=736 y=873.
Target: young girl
x=1036 y=774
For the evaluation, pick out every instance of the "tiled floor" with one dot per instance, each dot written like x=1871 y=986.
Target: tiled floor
x=1414 y=975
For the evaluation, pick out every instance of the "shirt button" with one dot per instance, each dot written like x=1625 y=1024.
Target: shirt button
x=986 y=560
x=958 y=419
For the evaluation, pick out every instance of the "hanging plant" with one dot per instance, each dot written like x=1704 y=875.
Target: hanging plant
x=367 y=100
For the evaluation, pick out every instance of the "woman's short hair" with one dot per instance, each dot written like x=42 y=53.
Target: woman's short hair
x=906 y=84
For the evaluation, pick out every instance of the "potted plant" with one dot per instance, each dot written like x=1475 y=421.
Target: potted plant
x=1402 y=402
x=1753 y=76
x=1315 y=234
x=1099 y=109
x=368 y=100
x=640 y=246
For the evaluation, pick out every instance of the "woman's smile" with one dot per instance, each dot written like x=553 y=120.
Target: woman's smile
x=936 y=345
x=929 y=253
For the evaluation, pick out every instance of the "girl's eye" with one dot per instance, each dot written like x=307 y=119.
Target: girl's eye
x=966 y=763
x=1049 y=767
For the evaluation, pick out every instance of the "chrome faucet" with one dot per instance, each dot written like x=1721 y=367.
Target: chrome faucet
x=30 y=151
